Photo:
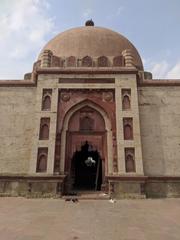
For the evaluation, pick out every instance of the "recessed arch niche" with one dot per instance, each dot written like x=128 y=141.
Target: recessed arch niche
x=98 y=133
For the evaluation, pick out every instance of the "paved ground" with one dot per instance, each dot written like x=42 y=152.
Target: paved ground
x=36 y=219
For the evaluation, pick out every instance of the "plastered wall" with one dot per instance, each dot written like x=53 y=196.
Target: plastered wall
x=160 y=129
x=16 y=128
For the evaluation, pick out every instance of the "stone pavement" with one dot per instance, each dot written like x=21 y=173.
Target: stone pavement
x=55 y=219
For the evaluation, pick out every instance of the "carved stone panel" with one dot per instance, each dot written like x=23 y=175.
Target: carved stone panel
x=108 y=96
x=65 y=96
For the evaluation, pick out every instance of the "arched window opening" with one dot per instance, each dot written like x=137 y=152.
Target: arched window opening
x=56 y=61
x=128 y=128
x=42 y=160
x=46 y=99
x=128 y=132
x=102 y=61
x=46 y=103
x=130 y=165
x=42 y=163
x=126 y=103
x=130 y=160
x=118 y=61
x=87 y=62
x=44 y=132
x=71 y=61
x=126 y=99
x=44 y=129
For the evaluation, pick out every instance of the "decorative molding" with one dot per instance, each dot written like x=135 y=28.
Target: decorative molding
x=86 y=80
x=108 y=96
x=158 y=82
x=36 y=177
x=95 y=70
x=127 y=178
x=46 y=58
x=17 y=83
x=135 y=177
x=65 y=96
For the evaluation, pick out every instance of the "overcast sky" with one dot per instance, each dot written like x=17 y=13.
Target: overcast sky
x=153 y=26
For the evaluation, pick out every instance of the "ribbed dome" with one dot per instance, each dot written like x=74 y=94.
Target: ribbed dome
x=91 y=41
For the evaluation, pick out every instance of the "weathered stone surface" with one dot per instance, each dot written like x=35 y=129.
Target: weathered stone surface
x=160 y=189
x=126 y=189
x=160 y=130
x=35 y=219
x=17 y=125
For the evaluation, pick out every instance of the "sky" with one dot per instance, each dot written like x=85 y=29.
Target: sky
x=153 y=26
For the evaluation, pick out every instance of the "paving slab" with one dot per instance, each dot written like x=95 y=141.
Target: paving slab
x=57 y=219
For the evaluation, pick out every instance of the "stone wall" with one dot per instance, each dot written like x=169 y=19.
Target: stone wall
x=16 y=124
x=160 y=130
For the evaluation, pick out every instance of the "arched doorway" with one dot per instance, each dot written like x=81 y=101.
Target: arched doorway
x=86 y=168
x=86 y=150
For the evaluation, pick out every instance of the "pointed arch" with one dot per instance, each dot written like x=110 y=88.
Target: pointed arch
x=128 y=128
x=102 y=61
x=44 y=128
x=87 y=61
x=126 y=104
x=118 y=61
x=108 y=128
x=87 y=103
x=44 y=132
x=71 y=61
x=130 y=160
x=128 y=132
x=42 y=163
x=46 y=102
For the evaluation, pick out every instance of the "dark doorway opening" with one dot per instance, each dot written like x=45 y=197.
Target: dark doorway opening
x=86 y=169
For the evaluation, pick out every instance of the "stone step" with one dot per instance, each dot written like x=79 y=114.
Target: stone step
x=87 y=195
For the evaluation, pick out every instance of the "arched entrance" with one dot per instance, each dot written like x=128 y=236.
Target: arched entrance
x=86 y=150
x=86 y=168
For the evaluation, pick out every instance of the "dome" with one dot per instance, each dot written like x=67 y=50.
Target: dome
x=91 y=41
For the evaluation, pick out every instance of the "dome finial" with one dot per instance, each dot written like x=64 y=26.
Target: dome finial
x=89 y=23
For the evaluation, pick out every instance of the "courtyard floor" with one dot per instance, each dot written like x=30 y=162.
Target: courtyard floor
x=55 y=219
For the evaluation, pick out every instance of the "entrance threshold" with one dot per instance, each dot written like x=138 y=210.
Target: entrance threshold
x=87 y=195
